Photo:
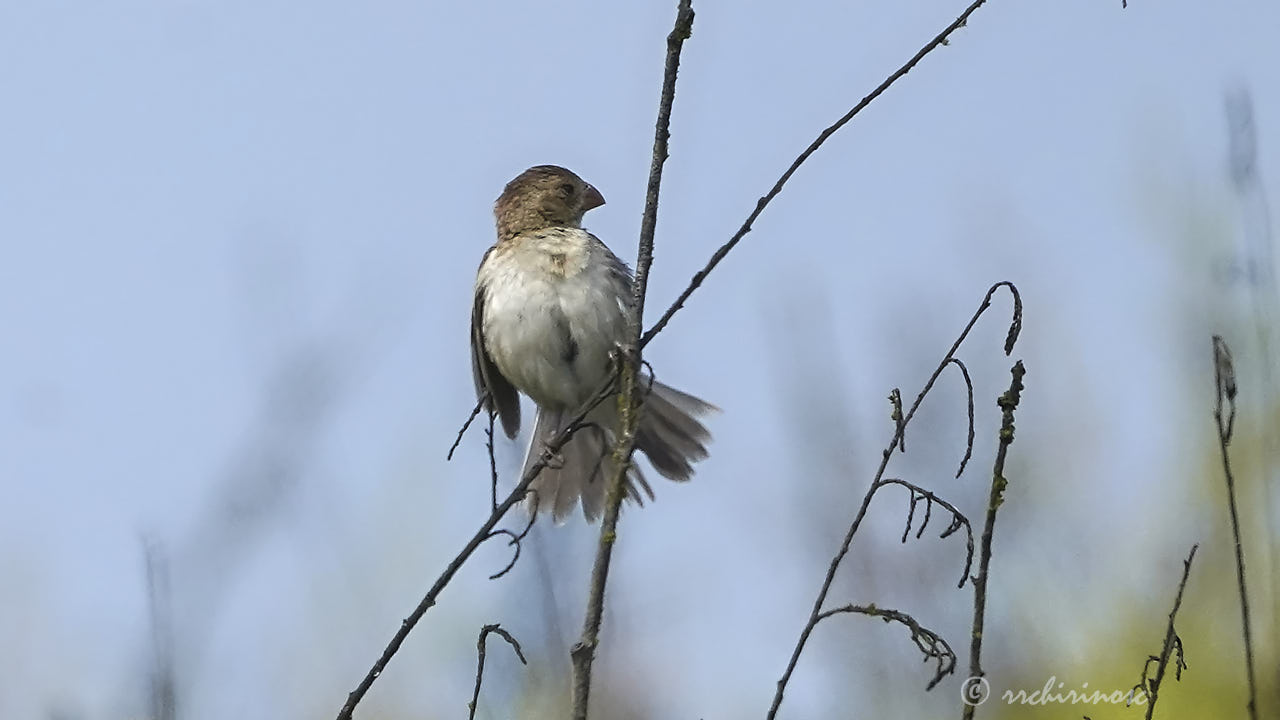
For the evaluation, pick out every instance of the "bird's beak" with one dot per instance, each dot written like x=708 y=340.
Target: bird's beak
x=591 y=198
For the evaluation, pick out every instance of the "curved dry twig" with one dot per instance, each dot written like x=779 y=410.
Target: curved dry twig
x=480 y=648
x=930 y=643
x=1015 y=329
x=895 y=441
x=968 y=386
x=1015 y=326
x=958 y=519
x=696 y=281
x=517 y=538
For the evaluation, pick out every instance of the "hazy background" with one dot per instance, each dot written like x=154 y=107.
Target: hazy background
x=239 y=240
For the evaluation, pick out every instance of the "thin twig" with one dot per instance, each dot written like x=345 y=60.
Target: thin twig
x=1008 y=402
x=463 y=430
x=876 y=483
x=1225 y=383
x=484 y=633
x=930 y=643
x=968 y=386
x=1148 y=685
x=485 y=532
x=762 y=203
x=493 y=463
x=630 y=397
x=517 y=538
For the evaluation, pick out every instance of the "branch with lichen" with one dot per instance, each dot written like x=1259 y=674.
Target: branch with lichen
x=630 y=397
x=1008 y=402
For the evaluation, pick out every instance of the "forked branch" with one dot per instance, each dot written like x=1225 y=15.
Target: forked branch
x=696 y=281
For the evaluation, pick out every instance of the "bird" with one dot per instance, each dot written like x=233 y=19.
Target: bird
x=550 y=312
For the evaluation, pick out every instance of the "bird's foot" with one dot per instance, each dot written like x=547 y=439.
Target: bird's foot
x=553 y=460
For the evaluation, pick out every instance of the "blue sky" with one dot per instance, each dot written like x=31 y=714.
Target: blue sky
x=204 y=205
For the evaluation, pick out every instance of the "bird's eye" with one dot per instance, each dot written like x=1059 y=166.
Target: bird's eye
x=567 y=189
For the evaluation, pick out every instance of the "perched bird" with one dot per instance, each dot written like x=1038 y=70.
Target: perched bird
x=551 y=305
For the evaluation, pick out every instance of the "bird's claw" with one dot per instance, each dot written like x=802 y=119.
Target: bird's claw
x=553 y=460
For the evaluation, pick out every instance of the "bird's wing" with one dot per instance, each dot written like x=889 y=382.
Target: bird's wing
x=619 y=271
x=498 y=392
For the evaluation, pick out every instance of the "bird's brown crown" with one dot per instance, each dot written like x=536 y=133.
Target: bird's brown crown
x=541 y=197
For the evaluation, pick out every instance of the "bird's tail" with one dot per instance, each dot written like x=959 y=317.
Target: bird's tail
x=669 y=435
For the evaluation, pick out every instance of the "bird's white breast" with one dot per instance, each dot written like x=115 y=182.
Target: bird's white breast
x=553 y=311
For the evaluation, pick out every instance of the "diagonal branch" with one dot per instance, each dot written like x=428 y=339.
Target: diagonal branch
x=470 y=418
x=485 y=532
x=630 y=396
x=762 y=203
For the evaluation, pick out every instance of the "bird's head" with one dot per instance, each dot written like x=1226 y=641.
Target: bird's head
x=544 y=196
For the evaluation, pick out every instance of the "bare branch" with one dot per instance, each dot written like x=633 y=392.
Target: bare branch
x=1008 y=402
x=968 y=386
x=762 y=203
x=630 y=396
x=1225 y=383
x=895 y=442
x=930 y=643
x=463 y=430
x=1150 y=686
x=493 y=463
x=484 y=633
x=485 y=532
